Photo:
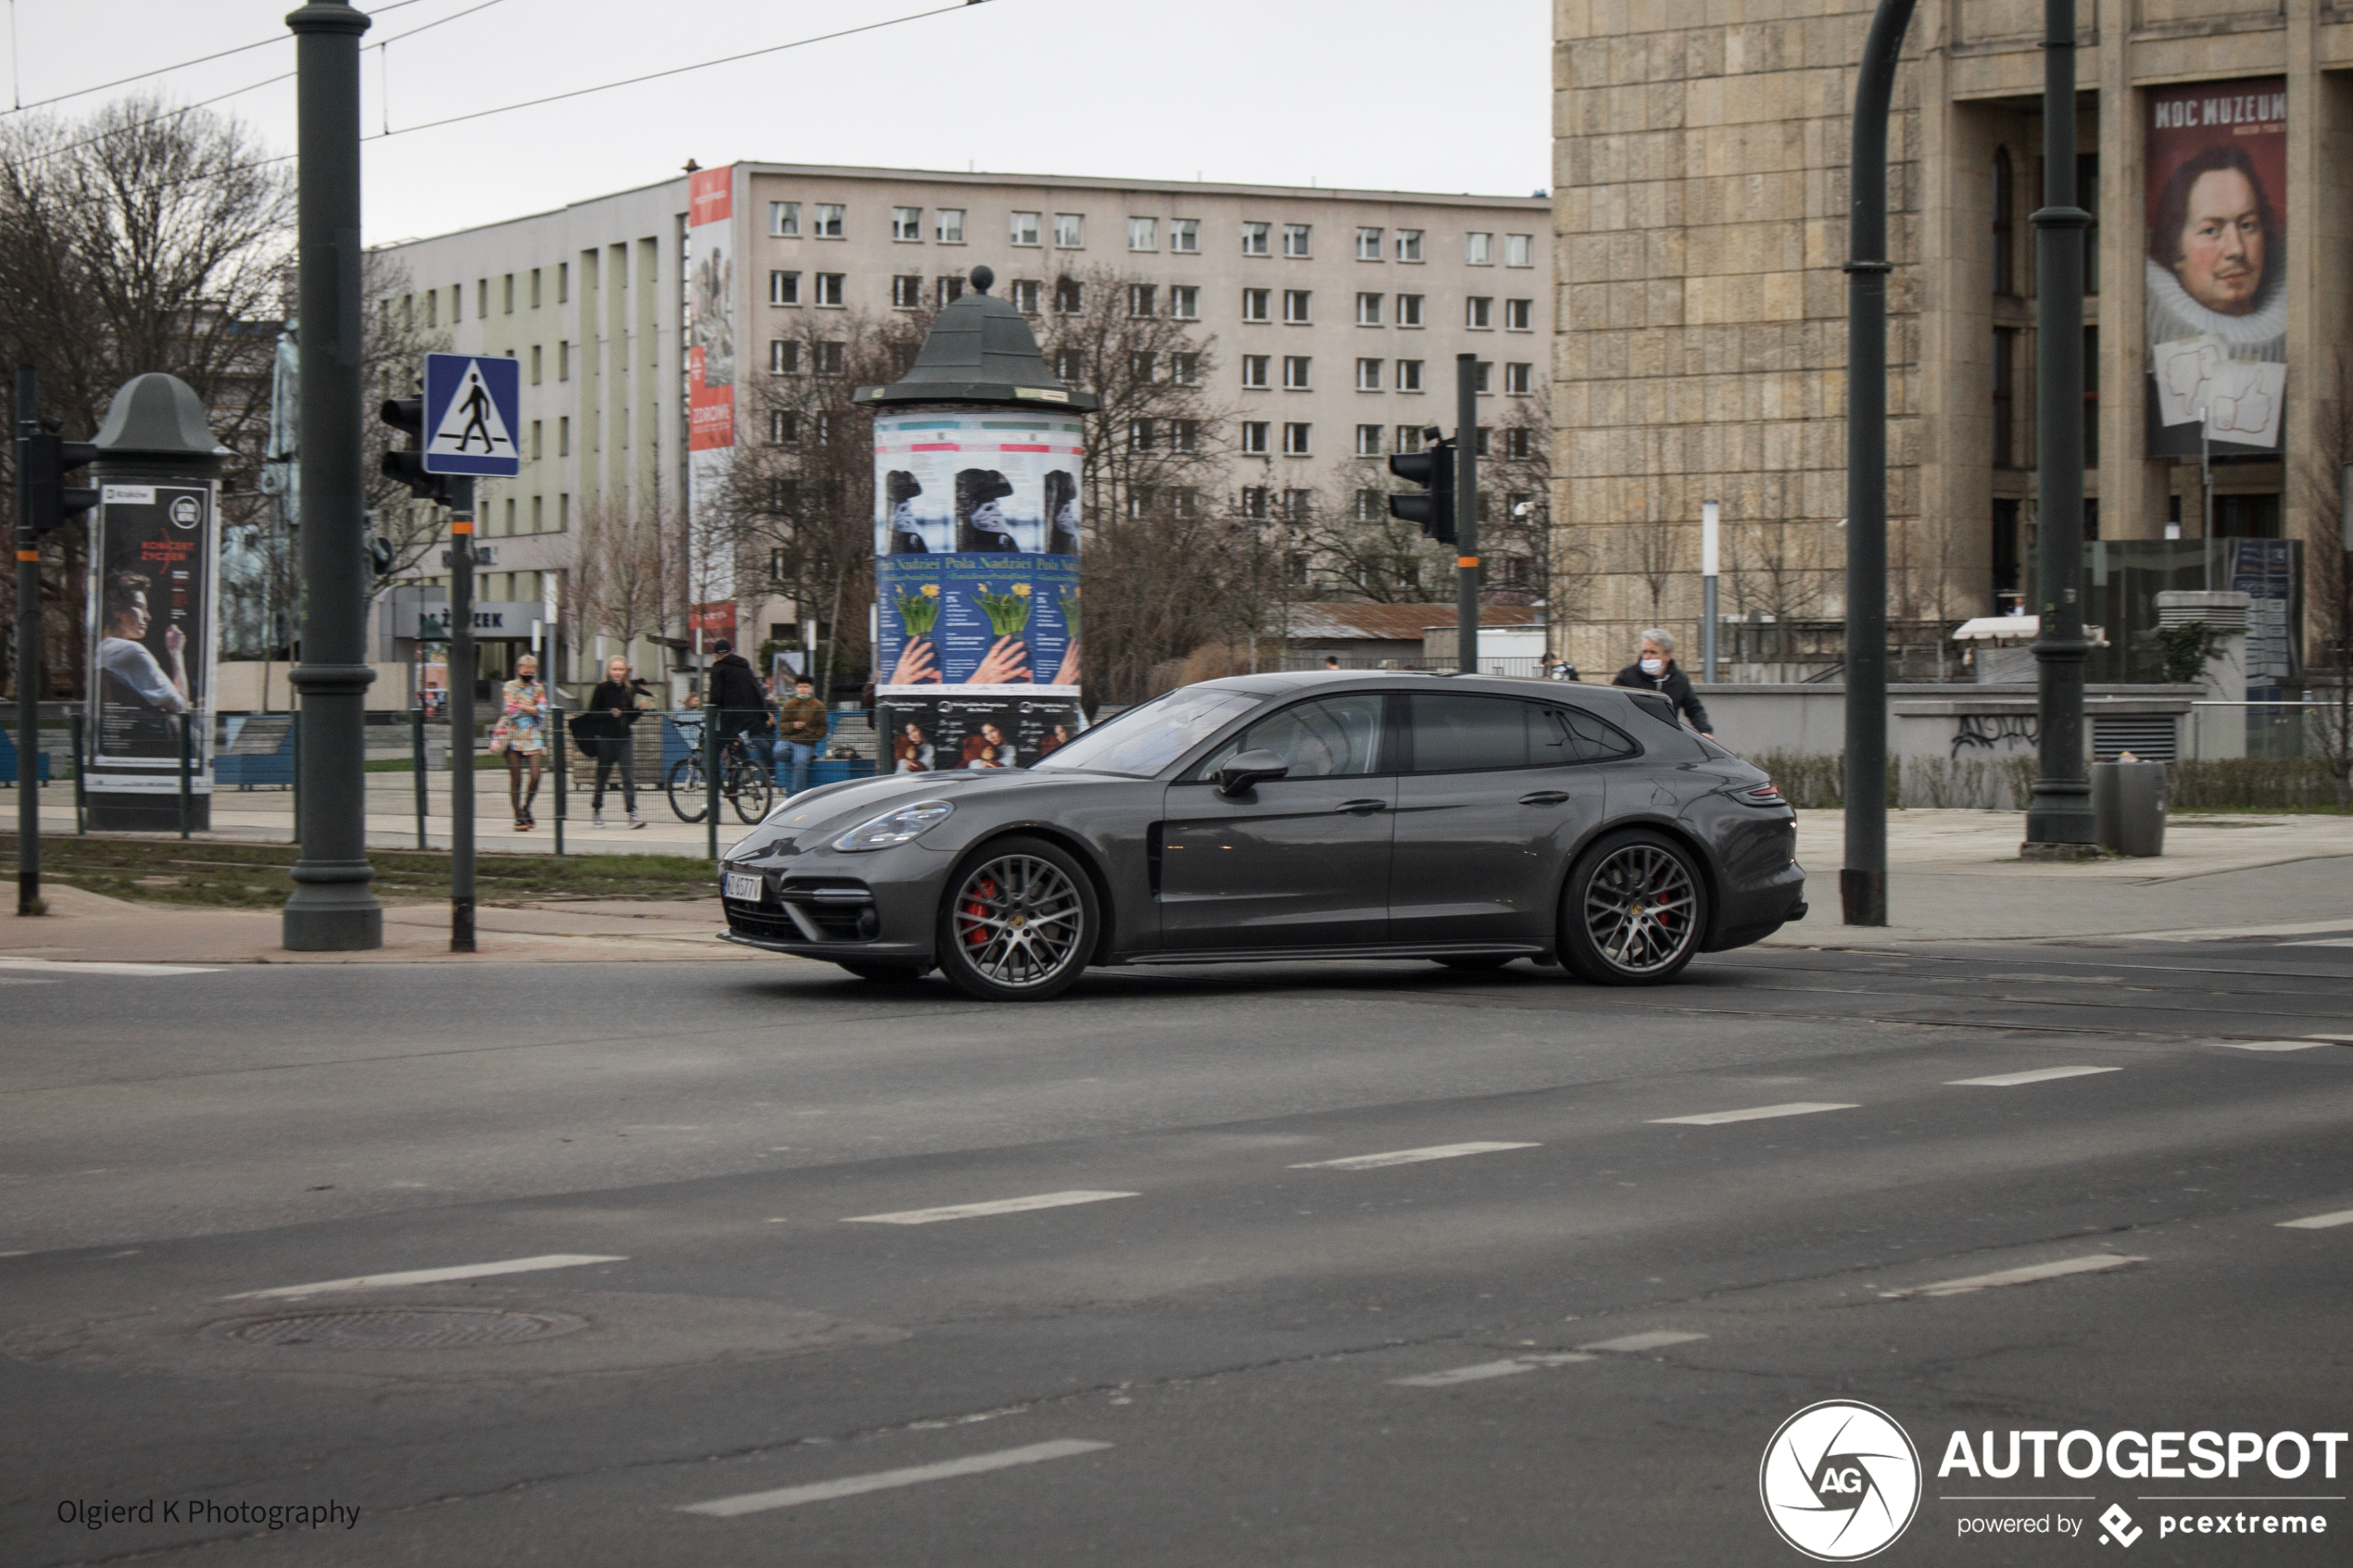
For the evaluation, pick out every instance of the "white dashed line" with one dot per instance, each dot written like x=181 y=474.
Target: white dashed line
x=976 y=1211
x=2033 y=1076
x=884 y=1480
x=67 y=966
x=1485 y=1370
x=2275 y=1045
x=1632 y=1344
x=1410 y=1156
x=432 y=1276
x=2320 y=1222
x=1753 y=1114
x=2091 y=1263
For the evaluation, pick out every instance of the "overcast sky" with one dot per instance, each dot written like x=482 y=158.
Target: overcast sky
x=1381 y=93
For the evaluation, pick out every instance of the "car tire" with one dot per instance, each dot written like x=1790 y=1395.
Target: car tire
x=886 y=973
x=1018 y=924
x=1611 y=929
x=1477 y=964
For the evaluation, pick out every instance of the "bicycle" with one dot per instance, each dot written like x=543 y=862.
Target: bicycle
x=743 y=781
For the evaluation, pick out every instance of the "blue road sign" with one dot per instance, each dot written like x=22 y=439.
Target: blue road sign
x=474 y=406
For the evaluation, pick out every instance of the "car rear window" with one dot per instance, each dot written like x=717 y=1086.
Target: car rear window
x=1597 y=739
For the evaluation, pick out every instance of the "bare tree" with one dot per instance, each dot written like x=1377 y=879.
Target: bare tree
x=1658 y=547
x=1363 y=551
x=2328 y=594
x=622 y=576
x=392 y=359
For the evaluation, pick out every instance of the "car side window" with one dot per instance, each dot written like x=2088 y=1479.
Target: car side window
x=1331 y=738
x=1454 y=733
x=1597 y=740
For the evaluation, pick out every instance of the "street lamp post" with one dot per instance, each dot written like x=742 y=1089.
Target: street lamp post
x=332 y=909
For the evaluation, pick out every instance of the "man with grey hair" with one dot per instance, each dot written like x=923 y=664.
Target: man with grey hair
x=1655 y=672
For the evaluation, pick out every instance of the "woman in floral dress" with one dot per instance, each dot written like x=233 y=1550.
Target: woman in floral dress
x=525 y=722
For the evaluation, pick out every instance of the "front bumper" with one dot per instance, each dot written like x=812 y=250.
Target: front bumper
x=833 y=906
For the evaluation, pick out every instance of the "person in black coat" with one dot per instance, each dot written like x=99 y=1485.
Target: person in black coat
x=1655 y=672
x=613 y=709
x=736 y=693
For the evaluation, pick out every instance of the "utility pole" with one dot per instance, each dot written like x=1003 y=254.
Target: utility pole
x=43 y=502
x=1467 y=513
x=462 y=713
x=2059 y=820
x=332 y=909
x=1862 y=882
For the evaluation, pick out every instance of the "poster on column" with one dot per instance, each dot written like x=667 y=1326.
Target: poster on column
x=155 y=557
x=2217 y=268
x=976 y=579
x=711 y=373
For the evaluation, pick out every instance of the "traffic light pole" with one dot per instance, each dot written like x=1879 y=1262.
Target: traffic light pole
x=28 y=661
x=461 y=715
x=332 y=909
x=1467 y=513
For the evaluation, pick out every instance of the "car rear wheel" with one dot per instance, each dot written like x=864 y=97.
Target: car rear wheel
x=1633 y=911
x=1018 y=923
x=887 y=974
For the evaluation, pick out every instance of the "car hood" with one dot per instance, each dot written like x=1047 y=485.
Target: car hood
x=815 y=816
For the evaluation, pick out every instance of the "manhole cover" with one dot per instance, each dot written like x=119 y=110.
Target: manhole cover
x=405 y=1328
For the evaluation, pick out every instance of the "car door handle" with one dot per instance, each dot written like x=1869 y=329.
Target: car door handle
x=1362 y=807
x=1545 y=798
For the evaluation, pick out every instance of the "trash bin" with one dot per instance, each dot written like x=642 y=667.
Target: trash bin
x=2128 y=806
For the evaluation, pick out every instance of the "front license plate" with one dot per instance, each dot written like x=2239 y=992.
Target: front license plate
x=744 y=885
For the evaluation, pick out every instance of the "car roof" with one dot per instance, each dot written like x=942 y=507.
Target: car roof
x=1290 y=681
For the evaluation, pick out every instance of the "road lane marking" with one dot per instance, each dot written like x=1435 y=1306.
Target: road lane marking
x=1633 y=1342
x=1410 y=1156
x=2320 y=1222
x=2032 y=1075
x=884 y=1480
x=432 y=1276
x=69 y=966
x=2275 y=1045
x=1485 y=1370
x=2090 y=1263
x=974 y=1211
x=1753 y=1114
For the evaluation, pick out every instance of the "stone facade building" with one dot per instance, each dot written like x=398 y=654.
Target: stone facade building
x=1701 y=152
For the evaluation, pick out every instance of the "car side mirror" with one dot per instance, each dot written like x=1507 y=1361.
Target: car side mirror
x=1249 y=768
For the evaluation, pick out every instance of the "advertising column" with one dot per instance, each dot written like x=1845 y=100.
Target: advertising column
x=710 y=382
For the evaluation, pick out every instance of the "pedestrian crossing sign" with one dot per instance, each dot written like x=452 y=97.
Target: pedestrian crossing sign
x=473 y=406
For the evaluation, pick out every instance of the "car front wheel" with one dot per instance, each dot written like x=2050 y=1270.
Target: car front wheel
x=1633 y=911
x=1018 y=923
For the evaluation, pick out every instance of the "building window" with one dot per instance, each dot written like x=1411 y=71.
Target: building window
x=832 y=218
x=1256 y=303
x=564 y=282
x=1142 y=366
x=1069 y=364
x=784 y=288
x=1479 y=249
x=1254 y=369
x=2092 y=403
x=563 y=361
x=1069 y=231
x=1368 y=375
x=783 y=357
x=1368 y=309
x=1025 y=227
x=1295 y=304
x=1368 y=244
x=1409 y=245
x=2005 y=212
x=828 y=358
x=1140 y=499
x=1409 y=375
x=1026 y=294
x=784 y=220
x=535 y=288
x=1254 y=503
x=949 y=290
x=784 y=427
x=1295 y=372
x=1480 y=446
x=1298 y=504
x=1255 y=237
x=1519 y=380
x=1184 y=502
x=506 y=295
x=1368 y=439
x=1143 y=234
x=1371 y=504
x=482 y=301
x=2004 y=395
x=1519 y=441
x=907 y=223
x=1142 y=298
x=1478 y=312
x=1296 y=439
x=1184 y=302
x=1184 y=369
x=1482 y=376
x=563 y=436
x=1184 y=435
x=1070 y=296
x=538 y=514
x=538 y=449
x=1519 y=315
x=1409 y=310
x=1520 y=250
x=1254 y=437
x=830 y=287
x=1139 y=436
x=535 y=364
x=906 y=292
x=948 y=225
x=1184 y=235
x=1409 y=438
x=2087 y=196
x=1296 y=238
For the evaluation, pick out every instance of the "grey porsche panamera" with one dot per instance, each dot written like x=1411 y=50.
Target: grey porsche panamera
x=1466 y=819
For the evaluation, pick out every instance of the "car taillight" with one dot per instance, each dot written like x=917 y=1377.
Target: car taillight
x=1766 y=794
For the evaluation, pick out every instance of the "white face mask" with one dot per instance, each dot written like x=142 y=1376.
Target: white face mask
x=1653 y=666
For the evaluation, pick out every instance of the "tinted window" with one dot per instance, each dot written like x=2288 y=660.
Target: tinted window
x=1455 y=735
x=1143 y=740
x=1329 y=738
x=1596 y=741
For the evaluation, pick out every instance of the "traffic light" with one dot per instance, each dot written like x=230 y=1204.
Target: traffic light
x=407 y=465
x=1434 y=470
x=49 y=501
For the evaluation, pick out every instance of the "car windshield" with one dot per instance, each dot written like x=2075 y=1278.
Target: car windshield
x=1143 y=740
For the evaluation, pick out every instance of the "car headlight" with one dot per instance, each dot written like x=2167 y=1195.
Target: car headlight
x=903 y=825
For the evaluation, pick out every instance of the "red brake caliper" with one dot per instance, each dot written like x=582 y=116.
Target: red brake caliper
x=977 y=937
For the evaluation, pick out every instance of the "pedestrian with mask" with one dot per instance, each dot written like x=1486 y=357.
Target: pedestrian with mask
x=801 y=732
x=1656 y=670
x=524 y=724
x=614 y=705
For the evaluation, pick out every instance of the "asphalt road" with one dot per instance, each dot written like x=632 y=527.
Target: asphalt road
x=1190 y=1324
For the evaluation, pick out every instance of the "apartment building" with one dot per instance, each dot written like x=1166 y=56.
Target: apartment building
x=1334 y=317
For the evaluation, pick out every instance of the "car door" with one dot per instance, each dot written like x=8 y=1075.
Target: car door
x=1494 y=798
x=1299 y=862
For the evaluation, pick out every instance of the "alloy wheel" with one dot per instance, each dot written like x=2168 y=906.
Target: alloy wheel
x=1642 y=909
x=1018 y=921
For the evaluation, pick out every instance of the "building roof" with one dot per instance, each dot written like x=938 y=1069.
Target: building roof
x=1406 y=623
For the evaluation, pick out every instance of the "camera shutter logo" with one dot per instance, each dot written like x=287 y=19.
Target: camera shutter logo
x=1840 y=1481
